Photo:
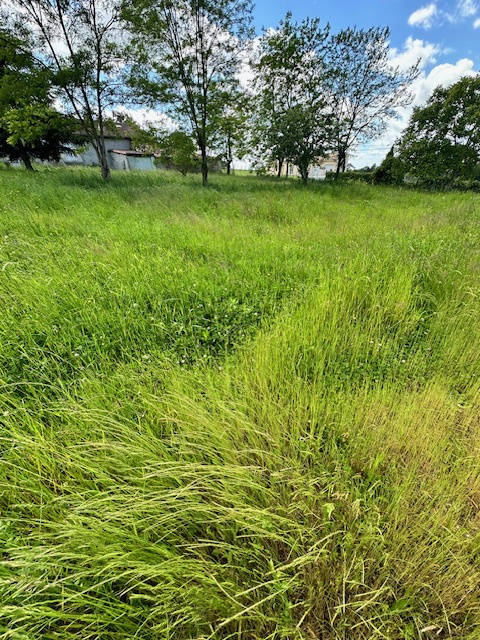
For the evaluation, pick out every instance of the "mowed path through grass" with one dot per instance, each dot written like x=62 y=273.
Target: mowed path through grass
x=248 y=411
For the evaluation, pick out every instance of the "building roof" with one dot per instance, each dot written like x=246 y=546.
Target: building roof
x=107 y=136
x=119 y=130
x=129 y=152
x=119 y=137
x=113 y=131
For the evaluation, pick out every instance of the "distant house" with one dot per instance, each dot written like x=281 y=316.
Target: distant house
x=87 y=156
x=316 y=172
x=120 y=154
x=127 y=160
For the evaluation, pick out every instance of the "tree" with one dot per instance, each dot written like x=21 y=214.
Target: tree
x=308 y=136
x=188 y=53
x=22 y=78
x=34 y=131
x=391 y=170
x=366 y=90
x=29 y=126
x=178 y=152
x=270 y=137
x=292 y=123
x=79 y=42
x=231 y=127
x=442 y=141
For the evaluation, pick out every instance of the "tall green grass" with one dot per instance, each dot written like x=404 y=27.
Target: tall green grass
x=244 y=412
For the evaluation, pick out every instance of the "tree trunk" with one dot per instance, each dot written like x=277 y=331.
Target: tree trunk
x=337 y=171
x=27 y=161
x=286 y=172
x=102 y=157
x=280 y=167
x=105 y=171
x=204 y=166
x=229 y=155
x=304 y=173
x=341 y=160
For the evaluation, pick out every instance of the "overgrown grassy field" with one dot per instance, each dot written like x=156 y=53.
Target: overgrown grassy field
x=249 y=411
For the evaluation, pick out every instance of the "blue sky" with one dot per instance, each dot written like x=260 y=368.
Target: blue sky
x=444 y=34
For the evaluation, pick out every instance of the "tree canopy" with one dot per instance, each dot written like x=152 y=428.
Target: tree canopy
x=177 y=152
x=313 y=93
x=82 y=44
x=442 y=141
x=29 y=126
x=292 y=120
x=441 y=145
x=365 y=88
x=188 y=53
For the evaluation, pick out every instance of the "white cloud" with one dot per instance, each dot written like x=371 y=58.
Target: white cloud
x=428 y=15
x=463 y=9
x=476 y=24
x=414 y=50
x=443 y=75
x=423 y=17
x=245 y=73
x=467 y=8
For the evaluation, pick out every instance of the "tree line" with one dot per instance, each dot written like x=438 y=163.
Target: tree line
x=65 y=65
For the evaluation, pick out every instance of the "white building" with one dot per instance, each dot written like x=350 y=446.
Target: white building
x=127 y=160
x=316 y=172
x=119 y=148
x=86 y=155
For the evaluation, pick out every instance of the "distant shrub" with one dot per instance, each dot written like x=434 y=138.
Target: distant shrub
x=456 y=184
x=466 y=185
x=358 y=176
x=179 y=152
x=391 y=171
x=394 y=176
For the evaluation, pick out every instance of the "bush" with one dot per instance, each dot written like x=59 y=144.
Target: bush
x=466 y=185
x=359 y=176
x=179 y=152
x=391 y=171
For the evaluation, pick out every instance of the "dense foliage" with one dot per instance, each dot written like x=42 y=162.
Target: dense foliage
x=319 y=93
x=81 y=44
x=29 y=127
x=441 y=145
x=178 y=152
x=314 y=93
x=291 y=123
